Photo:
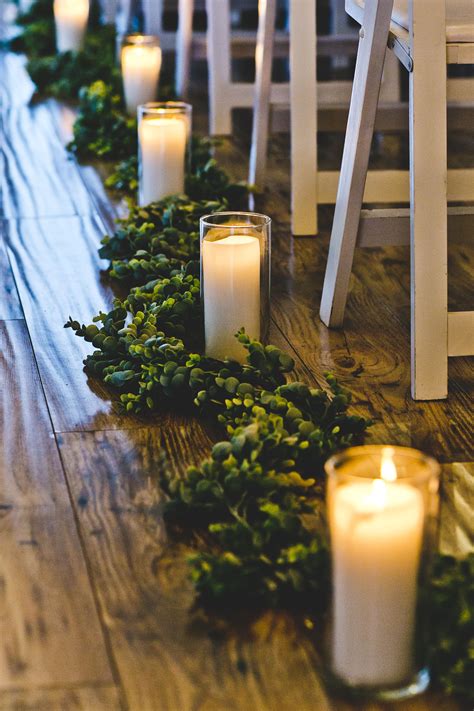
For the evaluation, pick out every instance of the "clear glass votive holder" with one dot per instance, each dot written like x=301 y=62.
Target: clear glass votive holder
x=164 y=135
x=140 y=58
x=70 y=19
x=383 y=512
x=235 y=280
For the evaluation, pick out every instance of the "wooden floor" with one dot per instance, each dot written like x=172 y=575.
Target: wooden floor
x=95 y=607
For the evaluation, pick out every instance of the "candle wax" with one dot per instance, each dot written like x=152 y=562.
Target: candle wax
x=71 y=21
x=140 y=72
x=162 y=155
x=231 y=274
x=376 y=534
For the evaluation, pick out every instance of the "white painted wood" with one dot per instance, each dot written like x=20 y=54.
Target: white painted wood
x=339 y=26
x=368 y=75
x=123 y=18
x=184 y=38
x=221 y=92
x=460 y=53
x=390 y=88
x=392 y=186
x=303 y=117
x=385 y=227
x=428 y=202
x=263 y=76
x=153 y=16
x=461 y=333
x=109 y=11
x=461 y=89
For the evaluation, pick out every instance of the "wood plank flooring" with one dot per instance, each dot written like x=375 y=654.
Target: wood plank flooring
x=95 y=606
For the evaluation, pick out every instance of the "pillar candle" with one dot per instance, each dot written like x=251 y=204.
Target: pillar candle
x=376 y=534
x=162 y=157
x=71 y=21
x=231 y=276
x=140 y=72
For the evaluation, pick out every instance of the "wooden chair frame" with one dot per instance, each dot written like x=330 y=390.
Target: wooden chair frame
x=435 y=333
x=305 y=96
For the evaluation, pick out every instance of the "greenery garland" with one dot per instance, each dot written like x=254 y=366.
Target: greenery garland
x=260 y=494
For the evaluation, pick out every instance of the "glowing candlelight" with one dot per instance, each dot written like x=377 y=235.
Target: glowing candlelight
x=71 y=21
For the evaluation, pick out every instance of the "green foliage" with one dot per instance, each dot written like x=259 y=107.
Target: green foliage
x=101 y=129
x=37 y=37
x=207 y=182
x=64 y=75
x=124 y=178
x=259 y=495
x=451 y=626
x=168 y=227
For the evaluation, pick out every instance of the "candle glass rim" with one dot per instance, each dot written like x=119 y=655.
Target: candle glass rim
x=70 y=2
x=206 y=221
x=432 y=467
x=161 y=108
x=138 y=39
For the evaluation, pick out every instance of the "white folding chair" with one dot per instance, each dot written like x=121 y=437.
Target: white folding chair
x=309 y=186
x=222 y=44
x=425 y=36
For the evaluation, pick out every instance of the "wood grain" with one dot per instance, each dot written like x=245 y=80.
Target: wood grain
x=168 y=656
x=49 y=629
x=97 y=698
x=10 y=307
x=57 y=268
x=39 y=179
x=16 y=87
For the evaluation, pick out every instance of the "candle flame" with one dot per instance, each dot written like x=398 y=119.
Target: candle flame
x=378 y=495
x=388 y=474
x=388 y=470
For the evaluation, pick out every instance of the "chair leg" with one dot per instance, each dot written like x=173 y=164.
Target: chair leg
x=219 y=66
x=428 y=218
x=360 y=128
x=153 y=16
x=339 y=26
x=303 y=117
x=263 y=77
x=184 y=37
x=390 y=87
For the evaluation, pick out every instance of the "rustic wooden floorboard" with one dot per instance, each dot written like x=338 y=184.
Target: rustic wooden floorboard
x=165 y=656
x=92 y=698
x=10 y=306
x=57 y=269
x=39 y=179
x=50 y=629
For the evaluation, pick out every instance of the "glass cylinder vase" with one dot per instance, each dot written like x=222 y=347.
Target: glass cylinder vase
x=382 y=508
x=70 y=18
x=235 y=280
x=164 y=134
x=140 y=58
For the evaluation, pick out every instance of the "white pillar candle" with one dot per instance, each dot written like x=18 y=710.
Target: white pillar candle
x=162 y=157
x=231 y=276
x=140 y=72
x=71 y=21
x=376 y=533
